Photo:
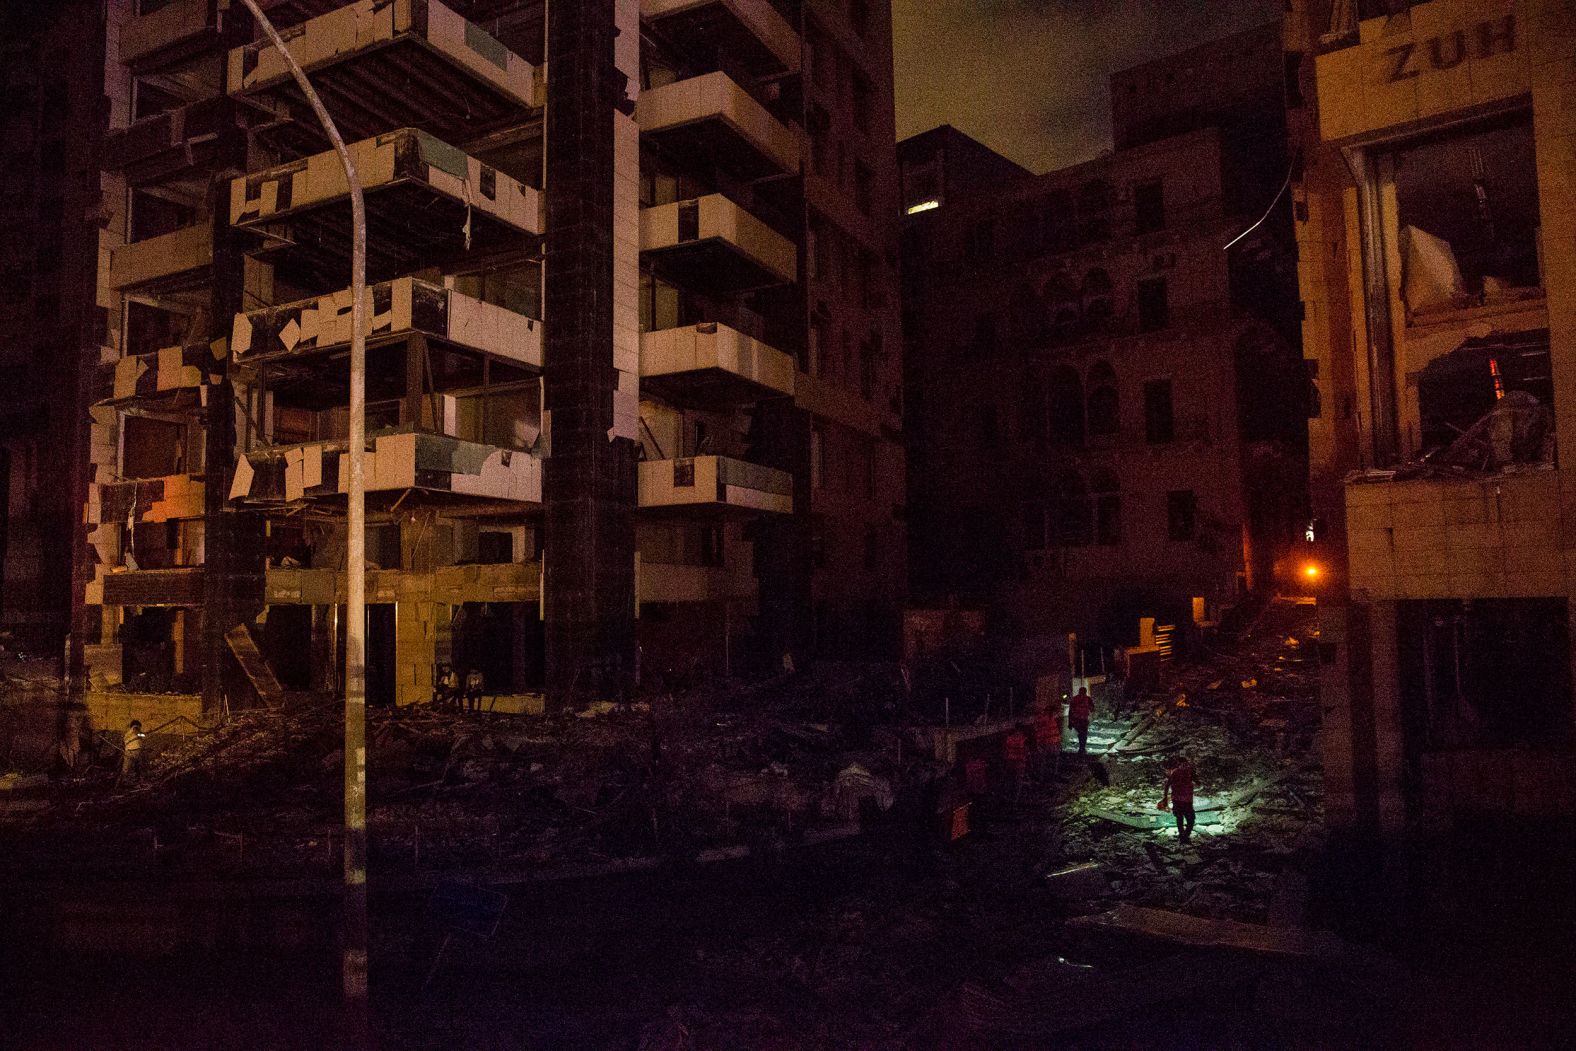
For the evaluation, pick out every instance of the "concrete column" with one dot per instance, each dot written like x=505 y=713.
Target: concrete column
x=1388 y=736
x=232 y=542
x=1335 y=705
x=589 y=484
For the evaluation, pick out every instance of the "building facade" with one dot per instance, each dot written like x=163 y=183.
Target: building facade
x=51 y=77
x=1104 y=403
x=600 y=451
x=1435 y=217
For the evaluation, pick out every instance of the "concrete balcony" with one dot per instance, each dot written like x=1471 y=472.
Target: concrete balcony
x=170 y=374
x=450 y=470
x=388 y=65
x=711 y=365
x=177 y=261
x=453 y=585
x=1496 y=536
x=146 y=500
x=424 y=198
x=752 y=32
x=398 y=310
x=714 y=483
x=170 y=144
x=711 y=116
x=669 y=582
x=711 y=244
x=183 y=28
x=149 y=587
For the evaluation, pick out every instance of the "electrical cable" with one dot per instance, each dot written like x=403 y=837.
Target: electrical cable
x=1273 y=202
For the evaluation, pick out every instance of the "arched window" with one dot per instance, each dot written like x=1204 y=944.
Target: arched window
x=1105 y=493
x=1094 y=211
x=1098 y=306
x=1104 y=404
x=1065 y=406
x=1025 y=315
x=1070 y=520
x=1063 y=307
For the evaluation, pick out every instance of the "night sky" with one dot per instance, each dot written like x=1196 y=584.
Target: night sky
x=1027 y=77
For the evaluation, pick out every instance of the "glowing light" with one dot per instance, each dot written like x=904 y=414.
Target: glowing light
x=922 y=206
x=1311 y=571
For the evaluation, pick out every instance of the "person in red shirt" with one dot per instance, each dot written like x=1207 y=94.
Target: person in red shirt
x=1078 y=710
x=1179 y=795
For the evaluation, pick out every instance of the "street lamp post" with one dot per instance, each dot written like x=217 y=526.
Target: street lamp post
x=354 y=968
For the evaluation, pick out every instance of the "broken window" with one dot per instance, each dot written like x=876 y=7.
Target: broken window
x=1104 y=405
x=153 y=214
x=1154 y=309
x=494 y=547
x=1484 y=672
x=1181 y=514
x=1467 y=215
x=153 y=448
x=1149 y=206
x=150 y=328
x=1159 y=418
x=1458 y=389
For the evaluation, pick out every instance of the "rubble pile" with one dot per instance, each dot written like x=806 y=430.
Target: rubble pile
x=1248 y=723
x=671 y=776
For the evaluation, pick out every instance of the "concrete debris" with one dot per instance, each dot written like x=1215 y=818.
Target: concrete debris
x=1216 y=933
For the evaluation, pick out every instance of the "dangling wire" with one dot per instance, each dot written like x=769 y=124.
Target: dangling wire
x=1273 y=202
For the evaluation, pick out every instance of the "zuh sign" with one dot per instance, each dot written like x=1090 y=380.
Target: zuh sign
x=1447 y=51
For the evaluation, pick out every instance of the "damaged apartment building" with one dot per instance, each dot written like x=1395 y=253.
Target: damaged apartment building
x=1436 y=216
x=1105 y=402
x=603 y=239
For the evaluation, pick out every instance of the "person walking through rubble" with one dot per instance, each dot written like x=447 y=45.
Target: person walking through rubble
x=1078 y=711
x=1178 y=795
x=131 y=752
x=473 y=690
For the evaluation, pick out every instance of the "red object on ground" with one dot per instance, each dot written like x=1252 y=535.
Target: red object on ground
x=959 y=825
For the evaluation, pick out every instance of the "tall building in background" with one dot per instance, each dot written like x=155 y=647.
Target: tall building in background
x=633 y=368
x=1106 y=399
x=1437 y=225
x=51 y=124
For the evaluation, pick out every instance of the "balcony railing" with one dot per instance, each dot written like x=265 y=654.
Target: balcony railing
x=455 y=585
x=184 y=27
x=716 y=483
x=711 y=116
x=167 y=373
x=381 y=66
x=396 y=462
x=398 y=310
x=713 y=244
x=677 y=583
x=146 y=500
x=177 y=260
x=753 y=32
x=712 y=365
